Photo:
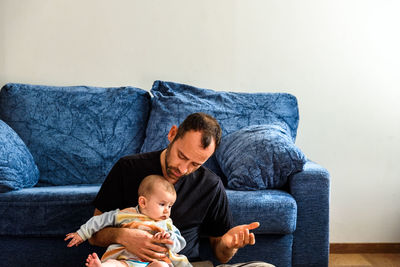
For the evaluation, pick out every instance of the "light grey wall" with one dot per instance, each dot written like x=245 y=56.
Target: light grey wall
x=340 y=58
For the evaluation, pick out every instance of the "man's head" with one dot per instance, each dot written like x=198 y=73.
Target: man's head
x=207 y=125
x=156 y=197
x=190 y=146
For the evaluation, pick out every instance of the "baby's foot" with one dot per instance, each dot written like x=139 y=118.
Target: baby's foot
x=93 y=260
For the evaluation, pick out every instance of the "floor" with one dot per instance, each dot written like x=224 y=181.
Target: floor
x=364 y=260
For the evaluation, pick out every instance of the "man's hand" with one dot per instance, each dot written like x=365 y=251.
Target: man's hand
x=227 y=245
x=143 y=244
x=240 y=236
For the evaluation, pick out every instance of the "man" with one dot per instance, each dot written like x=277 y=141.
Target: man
x=201 y=205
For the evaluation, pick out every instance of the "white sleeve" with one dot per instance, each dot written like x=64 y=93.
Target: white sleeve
x=96 y=223
x=177 y=238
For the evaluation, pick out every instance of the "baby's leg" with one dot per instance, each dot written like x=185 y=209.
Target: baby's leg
x=94 y=261
x=158 y=264
x=114 y=263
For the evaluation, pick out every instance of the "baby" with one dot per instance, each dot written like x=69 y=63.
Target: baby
x=156 y=197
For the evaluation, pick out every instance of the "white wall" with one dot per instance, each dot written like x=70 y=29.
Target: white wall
x=340 y=58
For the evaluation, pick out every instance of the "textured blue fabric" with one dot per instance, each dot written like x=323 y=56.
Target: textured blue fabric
x=17 y=167
x=76 y=134
x=46 y=251
x=46 y=211
x=259 y=157
x=43 y=252
x=311 y=188
x=56 y=209
x=173 y=102
x=276 y=210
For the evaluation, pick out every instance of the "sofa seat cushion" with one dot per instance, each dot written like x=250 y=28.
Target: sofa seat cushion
x=58 y=210
x=46 y=211
x=276 y=210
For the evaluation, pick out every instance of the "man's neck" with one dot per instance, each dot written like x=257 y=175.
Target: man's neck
x=162 y=161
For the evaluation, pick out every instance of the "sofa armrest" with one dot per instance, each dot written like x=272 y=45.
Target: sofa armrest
x=311 y=190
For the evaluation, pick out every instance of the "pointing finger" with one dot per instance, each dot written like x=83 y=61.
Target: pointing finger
x=253 y=225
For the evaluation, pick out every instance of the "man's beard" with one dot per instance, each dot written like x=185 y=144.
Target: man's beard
x=170 y=169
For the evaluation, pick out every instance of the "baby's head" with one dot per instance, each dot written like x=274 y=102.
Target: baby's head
x=156 y=197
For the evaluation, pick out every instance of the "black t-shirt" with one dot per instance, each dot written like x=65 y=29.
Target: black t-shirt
x=201 y=206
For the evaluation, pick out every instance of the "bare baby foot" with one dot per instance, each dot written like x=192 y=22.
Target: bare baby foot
x=93 y=260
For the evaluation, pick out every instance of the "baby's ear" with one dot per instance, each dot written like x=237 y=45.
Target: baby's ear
x=142 y=201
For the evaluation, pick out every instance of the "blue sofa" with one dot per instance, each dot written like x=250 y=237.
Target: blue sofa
x=58 y=144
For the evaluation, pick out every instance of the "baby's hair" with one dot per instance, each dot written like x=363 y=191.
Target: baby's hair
x=149 y=182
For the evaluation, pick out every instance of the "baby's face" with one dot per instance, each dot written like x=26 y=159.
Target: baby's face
x=158 y=205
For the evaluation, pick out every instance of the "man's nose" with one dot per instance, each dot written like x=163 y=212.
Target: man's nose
x=183 y=169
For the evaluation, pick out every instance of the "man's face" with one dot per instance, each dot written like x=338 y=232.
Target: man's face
x=185 y=155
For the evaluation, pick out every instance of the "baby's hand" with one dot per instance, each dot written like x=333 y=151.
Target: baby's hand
x=75 y=239
x=162 y=235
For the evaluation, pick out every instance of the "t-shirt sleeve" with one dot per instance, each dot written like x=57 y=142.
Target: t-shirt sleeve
x=219 y=218
x=110 y=195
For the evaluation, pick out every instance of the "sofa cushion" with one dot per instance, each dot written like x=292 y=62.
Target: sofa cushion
x=276 y=210
x=17 y=167
x=259 y=157
x=52 y=210
x=57 y=210
x=173 y=102
x=76 y=134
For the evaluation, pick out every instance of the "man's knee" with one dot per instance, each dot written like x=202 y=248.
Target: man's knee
x=202 y=264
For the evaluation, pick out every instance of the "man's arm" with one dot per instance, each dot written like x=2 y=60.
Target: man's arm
x=138 y=242
x=226 y=246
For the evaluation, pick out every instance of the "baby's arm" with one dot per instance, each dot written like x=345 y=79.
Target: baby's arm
x=92 y=226
x=179 y=241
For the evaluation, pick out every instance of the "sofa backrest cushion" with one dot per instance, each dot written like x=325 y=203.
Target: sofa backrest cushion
x=76 y=134
x=17 y=167
x=172 y=102
x=259 y=157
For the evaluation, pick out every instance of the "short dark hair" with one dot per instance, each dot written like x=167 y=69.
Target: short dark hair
x=204 y=123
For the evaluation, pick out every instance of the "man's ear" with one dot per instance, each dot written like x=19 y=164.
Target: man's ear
x=142 y=201
x=172 y=133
